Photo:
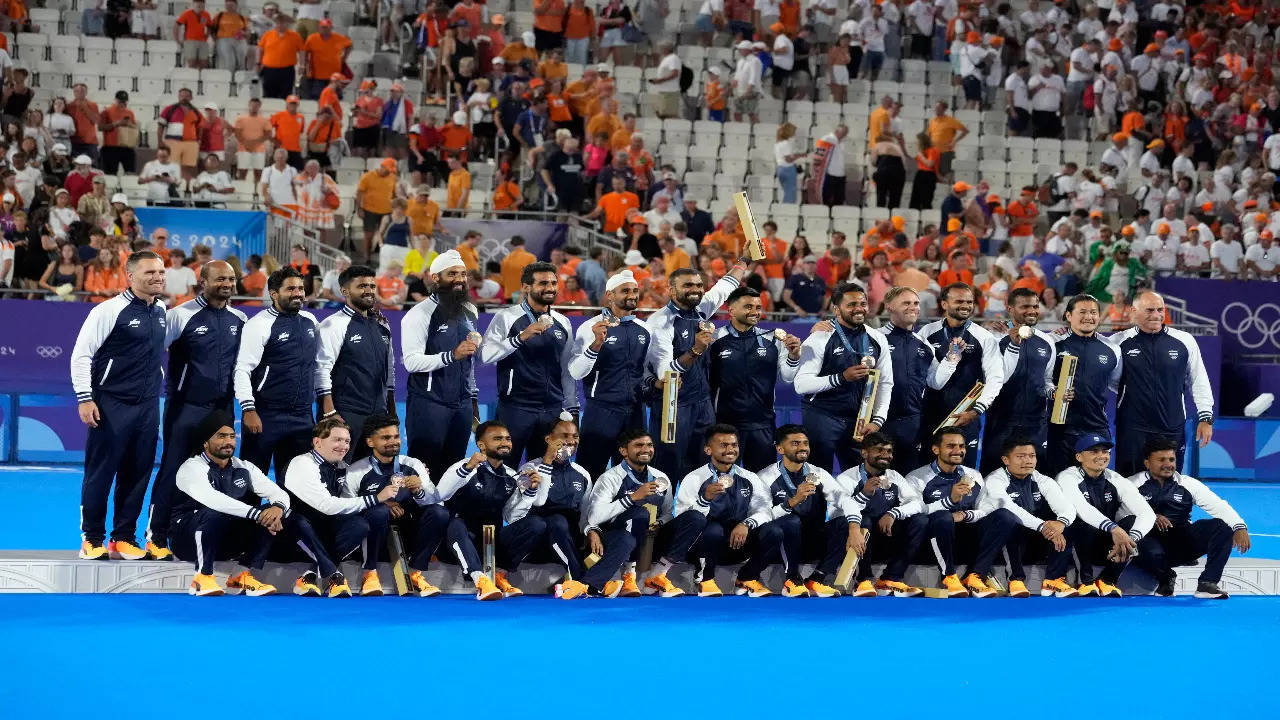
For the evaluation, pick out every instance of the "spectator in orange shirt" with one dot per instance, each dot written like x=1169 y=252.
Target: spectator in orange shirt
x=548 y=24
x=522 y=49
x=880 y=235
x=957 y=270
x=620 y=139
x=554 y=67
x=714 y=95
x=104 y=277
x=287 y=126
x=673 y=257
x=1023 y=213
x=391 y=287
x=571 y=293
x=230 y=29
x=456 y=135
x=579 y=28
x=459 y=185
x=366 y=121
x=835 y=265
x=507 y=196
x=615 y=205
x=84 y=113
x=326 y=53
x=513 y=266
x=775 y=257
x=958 y=239
x=279 y=49
x=331 y=95
x=191 y=32
x=180 y=125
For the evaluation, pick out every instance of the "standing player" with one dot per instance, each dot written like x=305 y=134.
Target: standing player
x=913 y=366
x=415 y=508
x=1098 y=368
x=203 y=336
x=532 y=354
x=1112 y=518
x=275 y=375
x=617 y=521
x=1044 y=512
x=891 y=510
x=1160 y=365
x=343 y=521
x=1021 y=409
x=808 y=495
x=973 y=355
x=722 y=514
x=563 y=494
x=682 y=332
x=219 y=513
x=116 y=373
x=746 y=362
x=1177 y=540
x=609 y=353
x=439 y=337
x=833 y=373
x=481 y=490
x=356 y=374
x=962 y=512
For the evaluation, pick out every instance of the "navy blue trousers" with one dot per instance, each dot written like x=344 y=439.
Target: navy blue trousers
x=907 y=442
x=1028 y=546
x=180 y=421
x=830 y=439
x=284 y=437
x=623 y=537
x=366 y=531
x=1131 y=443
x=896 y=550
x=705 y=542
x=528 y=428
x=422 y=529
x=677 y=459
x=1091 y=546
x=1184 y=545
x=803 y=541
x=989 y=535
x=205 y=535
x=563 y=541
x=513 y=542
x=756 y=448
x=122 y=450
x=438 y=434
x=602 y=422
x=997 y=432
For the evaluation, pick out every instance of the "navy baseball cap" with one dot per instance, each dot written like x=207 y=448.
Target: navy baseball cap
x=1093 y=440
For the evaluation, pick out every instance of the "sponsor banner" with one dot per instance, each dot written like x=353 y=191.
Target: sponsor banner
x=228 y=232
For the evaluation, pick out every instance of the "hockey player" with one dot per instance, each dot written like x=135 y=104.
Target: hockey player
x=1022 y=407
x=563 y=494
x=1098 y=368
x=971 y=354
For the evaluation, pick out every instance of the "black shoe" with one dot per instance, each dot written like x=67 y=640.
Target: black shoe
x=1210 y=591
x=1165 y=588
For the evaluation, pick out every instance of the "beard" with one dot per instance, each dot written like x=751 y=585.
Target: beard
x=452 y=298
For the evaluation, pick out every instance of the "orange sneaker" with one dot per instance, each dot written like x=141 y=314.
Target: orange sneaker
x=865 y=589
x=951 y=584
x=249 y=585
x=571 y=590
x=660 y=585
x=508 y=590
x=90 y=551
x=486 y=590
x=370 y=584
x=897 y=589
x=629 y=587
x=125 y=550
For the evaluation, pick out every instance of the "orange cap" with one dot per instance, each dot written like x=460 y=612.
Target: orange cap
x=1155 y=144
x=1126 y=230
x=1095 y=213
x=1120 y=137
x=962 y=186
x=777 y=28
x=1114 y=44
x=972 y=37
x=997 y=41
x=953 y=225
x=1207 y=207
x=1260 y=217
x=368 y=84
x=291 y=99
x=993 y=199
x=498 y=19
x=1265 y=234
x=898 y=222
x=1162 y=228
x=1151 y=47
x=389 y=164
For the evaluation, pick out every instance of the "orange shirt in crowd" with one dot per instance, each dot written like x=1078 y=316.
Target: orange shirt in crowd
x=789 y=16
x=579 y=23
x=326 y=55
x=603 y=123
x=775 y=249
x=456 y=137
x=115 y=113
x=558 y=108
x=324 y=132
x=715 y=95
x=616 y=205
x=620 y=139
x=227 y=25
x=551 y=19
x=254 y=283
x=422 y=216
x=948 y=276
x=329 y=98
x=86 y=130
x=280 y=50
x=376 y=192
x=253 y=131
x=1022 y=216
x=470 y=260
x=288 y=130
x=512 y=267
x=507 y=196
x=551 y=70
x=473 y=15
x=98 y=280
x=389 y=288
x=570 y=266
x=961 y=240
x=1034 y=284
x=726 y=241
x=677 y=259
x=459 y=184
x=372 y=115
x=195 y=26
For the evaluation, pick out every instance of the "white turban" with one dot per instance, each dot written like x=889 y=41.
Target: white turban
x=619 y=280
x=446 y=260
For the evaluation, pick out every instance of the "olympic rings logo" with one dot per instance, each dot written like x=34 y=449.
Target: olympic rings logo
x=48 y=352
x=1252 y=327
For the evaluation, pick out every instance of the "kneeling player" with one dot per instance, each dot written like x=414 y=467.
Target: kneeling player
x=961 y=513
x=617 y=515
x=343 y=521
x=221 y=515
x=723 y=514
x=1112 y=519
x=562 y=495
x=809 y=495
x=416 y=508
x=891 y=510
x=481 y=490
x=1177 y=540
x=1044 y=513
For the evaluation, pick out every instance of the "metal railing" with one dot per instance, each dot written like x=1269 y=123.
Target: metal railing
x=283 y=233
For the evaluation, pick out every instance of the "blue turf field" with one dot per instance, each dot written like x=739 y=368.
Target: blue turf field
x=144 y=656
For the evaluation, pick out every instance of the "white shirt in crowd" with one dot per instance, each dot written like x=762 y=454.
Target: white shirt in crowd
x=835 y=163
x=1048 y=99
x=1272 y=146
x=784 y=52
x=178 y=281
x=781 y=150
x=158 y=191
x=670 y=65
x=1083 y=65
x=1228 y=254
x=220 y=180
x=873 y=32
x=1263 y=258
x=279 y=184
x=746 y=76
x=712 y=7
x=1164 y=253
x=1195 y=256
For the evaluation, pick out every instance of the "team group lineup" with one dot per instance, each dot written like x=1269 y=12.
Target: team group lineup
x=949 y=444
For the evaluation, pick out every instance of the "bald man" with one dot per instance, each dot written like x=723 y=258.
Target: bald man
x=203 y=338
x=1161 y=364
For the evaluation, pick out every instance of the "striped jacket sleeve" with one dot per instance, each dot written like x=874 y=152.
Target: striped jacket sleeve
x=93 y=333
x=302 y=478
x=1209 y=501
x=253 y=339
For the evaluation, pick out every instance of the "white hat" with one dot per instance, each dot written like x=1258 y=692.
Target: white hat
x=743 y=45
x=759 y=46
x=602 y=67
x=83 y=160
x=499 y=61
x=460 y=118
x=120 y=198
x=623 y=278
x=528 y=38
x=634 y=257
x=8 y=197
x=59 y=149
x=446 y=260
x=211 y=106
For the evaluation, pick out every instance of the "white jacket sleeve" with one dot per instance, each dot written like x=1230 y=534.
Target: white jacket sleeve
x=808 y=381
x=332 y=332
x=193 y=479
x=583 y=357
x=1197 y=381
x=453 y=479
x=1132 y=501
x=600 y=505
x=413 y=340
x=93 y=333
x=520 y=503
x=265 y=488
x=496 y=344
x=253 y=338
x=689 y=496
x=302 y=478
x=715 y=296
x=1113 y=383
x=787 y=367
x=1069 y=481
x=996 y=487
x=1209 y=501
x=1064 y=511
x=992 y=370
x=762 y=509
x=884 y=393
